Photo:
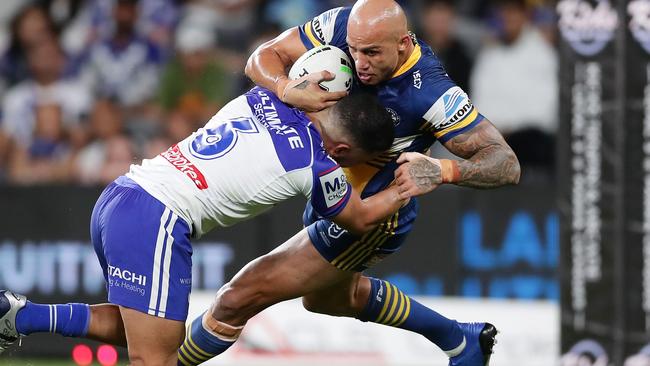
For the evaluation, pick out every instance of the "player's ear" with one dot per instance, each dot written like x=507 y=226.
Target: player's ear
x=341 y=149
x=403 y=43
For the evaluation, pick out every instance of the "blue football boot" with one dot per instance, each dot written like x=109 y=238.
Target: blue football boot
x=480 y=339
x=10 y=303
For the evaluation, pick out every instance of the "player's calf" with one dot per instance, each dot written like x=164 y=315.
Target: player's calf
x=206 y=338
x=347 y=298
x=152 y=340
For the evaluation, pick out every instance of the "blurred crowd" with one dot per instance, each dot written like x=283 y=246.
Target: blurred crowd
x=88 y=87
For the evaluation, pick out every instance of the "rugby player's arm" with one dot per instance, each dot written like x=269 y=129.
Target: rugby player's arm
x=488 y=162
x=359 y=216
x=268 y=64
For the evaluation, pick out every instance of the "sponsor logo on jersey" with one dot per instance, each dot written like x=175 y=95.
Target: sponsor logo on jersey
x=417 y=79
x=176 y=158
x=318 y=29
x=126 y=275
x=639 y=11
x=588 y=26
x=457 y=106
x=396 y=118
x=268 y=115
x=334 y=185
x=323 y=25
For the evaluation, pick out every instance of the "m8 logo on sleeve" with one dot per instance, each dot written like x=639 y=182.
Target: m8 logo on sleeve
x=334 y=185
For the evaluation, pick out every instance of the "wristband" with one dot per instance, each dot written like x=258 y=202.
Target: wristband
x=449 y=171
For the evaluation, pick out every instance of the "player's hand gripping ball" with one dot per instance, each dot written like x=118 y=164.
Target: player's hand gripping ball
x=327 y=58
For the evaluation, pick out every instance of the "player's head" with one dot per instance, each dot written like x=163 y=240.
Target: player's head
x=357 y=129
x=378 y=39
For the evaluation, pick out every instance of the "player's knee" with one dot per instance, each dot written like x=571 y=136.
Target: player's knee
x=313 y=305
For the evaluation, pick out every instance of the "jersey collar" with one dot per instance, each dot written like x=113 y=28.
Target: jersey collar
x=410 y=62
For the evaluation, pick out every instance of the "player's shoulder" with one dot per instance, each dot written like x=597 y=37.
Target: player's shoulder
x=427 y=80
x=294 y=137
x=329 y=27
x=428 y=75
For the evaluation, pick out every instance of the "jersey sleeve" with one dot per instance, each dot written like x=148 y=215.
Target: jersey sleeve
x=330 y=189
x=329 y=27
x=451 y=114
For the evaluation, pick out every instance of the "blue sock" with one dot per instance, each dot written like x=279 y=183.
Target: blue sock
x=200 y=345
x=389 y=306
x=70 y=320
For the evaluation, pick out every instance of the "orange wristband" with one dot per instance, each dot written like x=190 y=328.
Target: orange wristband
x=449 y=171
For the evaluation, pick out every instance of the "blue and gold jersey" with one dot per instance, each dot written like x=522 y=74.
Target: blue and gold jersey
x=425 y=103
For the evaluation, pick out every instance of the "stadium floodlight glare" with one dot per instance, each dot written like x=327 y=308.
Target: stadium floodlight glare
x=82 y=355
x=107 y=355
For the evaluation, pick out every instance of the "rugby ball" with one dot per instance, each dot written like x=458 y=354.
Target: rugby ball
x=329 y=58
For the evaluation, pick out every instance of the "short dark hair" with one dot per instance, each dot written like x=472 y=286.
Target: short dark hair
x=366 y=121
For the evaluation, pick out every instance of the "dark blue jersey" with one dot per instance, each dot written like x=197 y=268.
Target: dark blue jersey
x=425 y=103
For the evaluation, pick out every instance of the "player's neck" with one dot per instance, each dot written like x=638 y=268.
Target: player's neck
x=405 y=56
x=317 y=117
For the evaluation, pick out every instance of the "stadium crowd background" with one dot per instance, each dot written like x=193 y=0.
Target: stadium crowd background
x=89 y=87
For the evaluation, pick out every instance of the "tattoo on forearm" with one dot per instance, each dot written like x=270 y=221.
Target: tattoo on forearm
x=425 y=174
x=490 y=161
x=302 y=85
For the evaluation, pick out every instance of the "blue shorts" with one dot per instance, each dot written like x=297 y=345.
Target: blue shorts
x=350 y=252
x=144 y=250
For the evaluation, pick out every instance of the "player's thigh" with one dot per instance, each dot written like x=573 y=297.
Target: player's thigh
x=146 y=252
x=152 y=340
x=291 y=270
x=349 y=252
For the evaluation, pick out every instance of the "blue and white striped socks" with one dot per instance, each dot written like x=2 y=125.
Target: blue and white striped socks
x=69 y=320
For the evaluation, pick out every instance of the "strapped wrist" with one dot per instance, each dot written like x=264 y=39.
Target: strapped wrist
x=449 y=171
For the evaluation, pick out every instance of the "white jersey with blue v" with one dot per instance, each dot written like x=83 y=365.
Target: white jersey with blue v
x=254 y=153
x=251 y=155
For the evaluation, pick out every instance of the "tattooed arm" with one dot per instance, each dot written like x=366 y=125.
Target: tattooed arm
x=268 y=65
x=489 y=162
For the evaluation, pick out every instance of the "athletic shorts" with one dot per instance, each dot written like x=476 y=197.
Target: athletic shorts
x=144 y=250
x=350 y=252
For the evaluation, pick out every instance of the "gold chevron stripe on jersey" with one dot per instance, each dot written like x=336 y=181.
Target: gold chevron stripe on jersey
x=410 y=62
x=362 y=252
x=359 y=175
x=310 y=34
x=343 y=260
x=358 y=252
x=471 y=117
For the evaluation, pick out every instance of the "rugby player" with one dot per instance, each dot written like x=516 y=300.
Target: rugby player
x=254 y=153
x=324 y=262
